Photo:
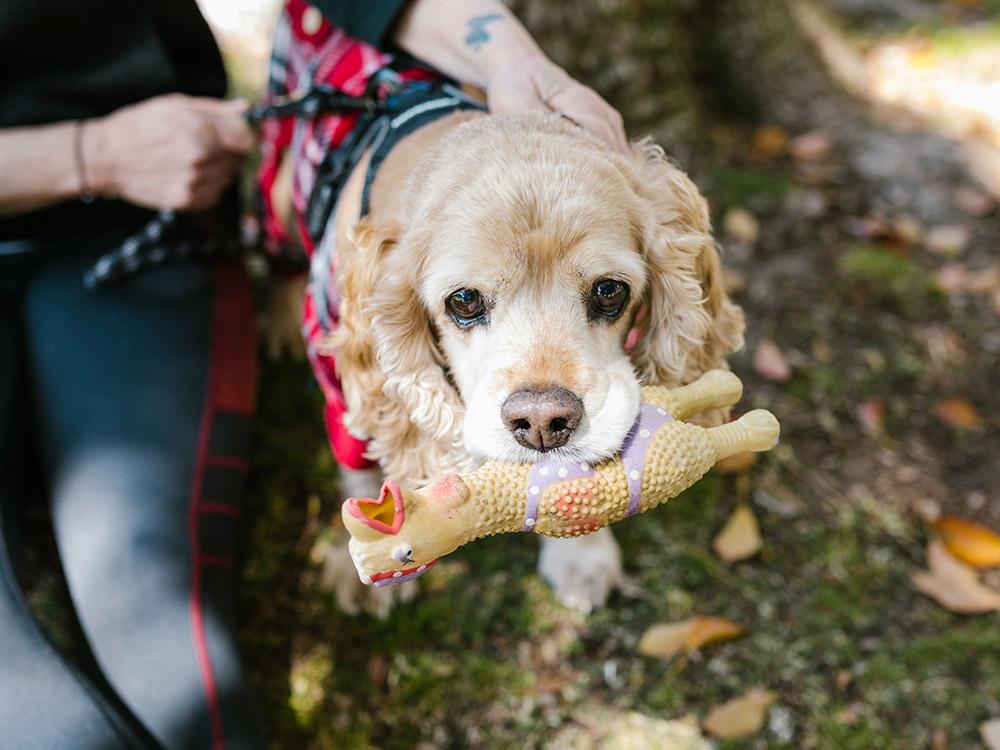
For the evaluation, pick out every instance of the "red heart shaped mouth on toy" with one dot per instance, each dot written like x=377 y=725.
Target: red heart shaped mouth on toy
x=384 y=515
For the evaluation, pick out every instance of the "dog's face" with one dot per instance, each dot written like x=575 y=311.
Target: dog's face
x=532 y=309
x=499 y=309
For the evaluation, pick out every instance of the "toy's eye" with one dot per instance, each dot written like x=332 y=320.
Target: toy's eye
x=608 y=298
x=466 y=307
x=403 y=553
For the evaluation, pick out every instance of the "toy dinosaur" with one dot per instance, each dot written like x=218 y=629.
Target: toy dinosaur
x=398 y=536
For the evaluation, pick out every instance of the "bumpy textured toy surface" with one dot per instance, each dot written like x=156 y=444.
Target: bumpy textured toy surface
x=402 y=533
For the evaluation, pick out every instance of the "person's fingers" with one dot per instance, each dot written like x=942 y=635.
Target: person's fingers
x=593 y=114
x=233 y=131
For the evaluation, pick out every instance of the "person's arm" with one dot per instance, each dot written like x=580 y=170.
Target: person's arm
x=171 y=151
x=481 y=42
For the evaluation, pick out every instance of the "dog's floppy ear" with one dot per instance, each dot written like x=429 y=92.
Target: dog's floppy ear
x=687 y=322
x=391 y=369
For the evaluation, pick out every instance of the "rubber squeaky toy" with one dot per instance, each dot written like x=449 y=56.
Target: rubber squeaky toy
x=402 y=533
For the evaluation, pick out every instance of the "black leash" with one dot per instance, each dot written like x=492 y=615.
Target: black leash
x=170 y=235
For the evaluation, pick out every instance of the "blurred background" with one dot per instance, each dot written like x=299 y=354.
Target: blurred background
x=850 y=150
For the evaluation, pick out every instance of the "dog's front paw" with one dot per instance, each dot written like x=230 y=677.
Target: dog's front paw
x=582 y=571
x=340 y=577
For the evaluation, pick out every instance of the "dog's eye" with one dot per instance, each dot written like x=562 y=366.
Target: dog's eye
x=466 y=306
x=608 y=298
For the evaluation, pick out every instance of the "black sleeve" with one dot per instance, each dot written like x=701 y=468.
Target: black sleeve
x=368 y=20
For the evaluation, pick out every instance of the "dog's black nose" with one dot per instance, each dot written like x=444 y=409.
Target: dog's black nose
x=542 y=419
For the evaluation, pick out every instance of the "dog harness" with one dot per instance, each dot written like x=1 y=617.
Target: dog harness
x=394 y=97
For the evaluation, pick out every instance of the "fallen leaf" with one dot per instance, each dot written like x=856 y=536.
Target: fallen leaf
x=985 y=280
x=974 y=202
x=770 y=362
x=952 y=277
x=871 y=415
x=667 y=639
x=948 y=240
x=811 y=146
x=907 y=229
x=736 y=463
x=990 y=732
x=958 y=413
x=768 y=141
x=740 y=537
x=740 y=717
x=953 y=584
x=971 y=543
x=741 y=225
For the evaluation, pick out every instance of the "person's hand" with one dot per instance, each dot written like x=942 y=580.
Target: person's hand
x=171 y=151
x=536 y=83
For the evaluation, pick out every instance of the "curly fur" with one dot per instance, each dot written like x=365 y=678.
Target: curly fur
x=401 y=390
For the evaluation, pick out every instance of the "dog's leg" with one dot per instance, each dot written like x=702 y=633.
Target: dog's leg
x=582 y=571
x=339 y=574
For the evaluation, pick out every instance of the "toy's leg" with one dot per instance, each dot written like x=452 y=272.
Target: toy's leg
x=755 y=431
x=713 y=390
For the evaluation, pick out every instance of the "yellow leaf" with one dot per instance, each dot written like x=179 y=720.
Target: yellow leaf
x=736 y=463
x=710 y=629
x=667 y=639
x=953 y=584
x=740 y=537
x=740 y=717
x=958 y=413
x=971 y=543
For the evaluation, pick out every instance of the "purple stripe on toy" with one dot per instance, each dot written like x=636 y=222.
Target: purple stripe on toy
x=633 y=453
x=543 y=473
x=636 y=445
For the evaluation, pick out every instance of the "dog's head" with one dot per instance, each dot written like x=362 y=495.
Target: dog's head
x=536 y=280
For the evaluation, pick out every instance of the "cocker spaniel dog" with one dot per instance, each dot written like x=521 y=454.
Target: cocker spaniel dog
x=512 y=286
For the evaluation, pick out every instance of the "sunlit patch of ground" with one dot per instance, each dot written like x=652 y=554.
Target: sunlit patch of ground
x=946 y=76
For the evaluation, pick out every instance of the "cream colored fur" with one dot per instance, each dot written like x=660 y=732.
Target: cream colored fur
x=530 y=210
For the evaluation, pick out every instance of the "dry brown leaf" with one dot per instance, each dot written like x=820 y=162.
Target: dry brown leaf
x=740 y=537
x=770 y=362
x=736 y=463
x=990 y=732
x=871 y=415
x=958 y=413
x=740 y=717
x=953 y=584
x=971 y=543
x=667 y=639
x=768 y=141
x=741 y=225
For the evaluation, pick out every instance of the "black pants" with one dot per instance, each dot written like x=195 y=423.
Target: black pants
x=136 y=401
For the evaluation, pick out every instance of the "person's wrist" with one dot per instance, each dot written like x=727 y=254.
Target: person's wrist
x=503 y=54
x=96 y=154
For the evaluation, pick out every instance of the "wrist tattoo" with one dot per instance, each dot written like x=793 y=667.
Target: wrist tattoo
x=478 y=35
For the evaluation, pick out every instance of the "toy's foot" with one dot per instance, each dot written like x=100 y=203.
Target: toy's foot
x=583 y=571
x=340 y=577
